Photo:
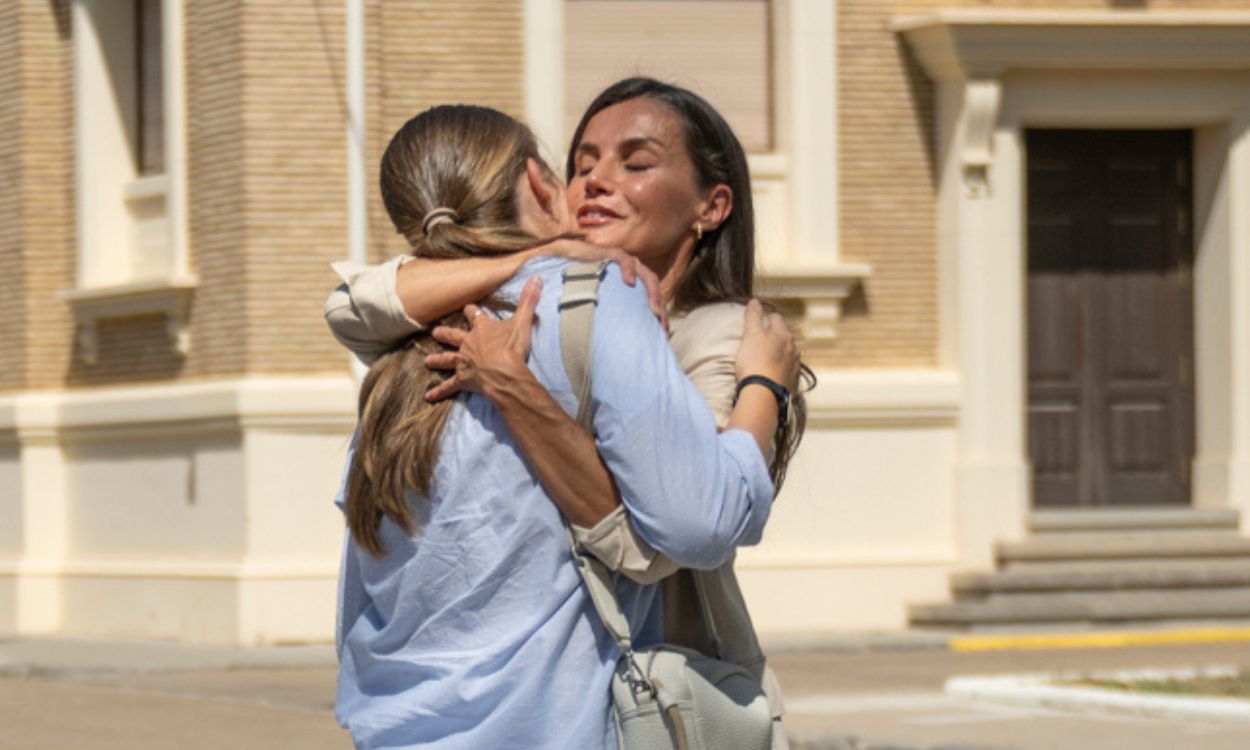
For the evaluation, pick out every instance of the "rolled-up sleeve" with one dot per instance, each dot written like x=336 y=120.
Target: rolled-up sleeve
x=692 y=494
x=365 y=313
x=616 y=543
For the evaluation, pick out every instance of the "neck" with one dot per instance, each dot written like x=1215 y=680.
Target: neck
x=670 y=269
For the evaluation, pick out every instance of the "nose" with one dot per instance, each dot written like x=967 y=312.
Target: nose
x=597 y=180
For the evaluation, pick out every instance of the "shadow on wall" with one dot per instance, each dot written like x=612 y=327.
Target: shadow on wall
x=921 y=92
x=130 y=350
x=60 y=13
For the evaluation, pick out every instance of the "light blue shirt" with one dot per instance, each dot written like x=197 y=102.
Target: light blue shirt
x=477 y=633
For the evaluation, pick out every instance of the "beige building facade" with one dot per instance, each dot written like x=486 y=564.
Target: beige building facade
x=176 y=177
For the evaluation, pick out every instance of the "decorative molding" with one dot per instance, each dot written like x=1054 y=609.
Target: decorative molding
x=194 y=409
x=887 y=399
x=982 y=100
x=178 y=569
x=169 y=297
x=761 y=558
x=821 y=290
x=955 y=45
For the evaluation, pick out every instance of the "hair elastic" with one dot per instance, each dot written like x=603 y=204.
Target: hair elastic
x=438 y=216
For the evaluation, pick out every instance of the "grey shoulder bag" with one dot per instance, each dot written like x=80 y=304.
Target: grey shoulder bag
x=665 y=697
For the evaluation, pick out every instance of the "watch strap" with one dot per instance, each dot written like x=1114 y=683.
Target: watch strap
x=780 y=392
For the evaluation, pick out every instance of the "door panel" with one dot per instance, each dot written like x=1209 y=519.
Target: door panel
x=1109 y=317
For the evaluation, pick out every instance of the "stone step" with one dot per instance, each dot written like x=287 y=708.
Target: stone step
x=1125 y=519
x=1141 y=545
x=1095 y=608
x=1105 y=576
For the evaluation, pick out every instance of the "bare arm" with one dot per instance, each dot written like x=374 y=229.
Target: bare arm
x=430 y=289
x=767 y=349
x=491 y=361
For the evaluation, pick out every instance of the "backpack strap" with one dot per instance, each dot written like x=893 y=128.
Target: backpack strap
x=577 y=323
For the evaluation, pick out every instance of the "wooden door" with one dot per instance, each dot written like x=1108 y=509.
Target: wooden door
x=1110 y=317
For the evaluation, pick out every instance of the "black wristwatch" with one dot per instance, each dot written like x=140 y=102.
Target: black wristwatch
x=781 y=392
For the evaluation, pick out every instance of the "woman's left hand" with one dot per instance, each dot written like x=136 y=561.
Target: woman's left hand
x=491 y=355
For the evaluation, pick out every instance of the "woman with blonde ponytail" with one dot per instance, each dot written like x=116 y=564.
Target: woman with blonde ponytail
x=659 y=182
x=462 y=621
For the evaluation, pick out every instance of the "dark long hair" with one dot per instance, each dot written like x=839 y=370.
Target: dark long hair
x=469 y=160
x=723 y=266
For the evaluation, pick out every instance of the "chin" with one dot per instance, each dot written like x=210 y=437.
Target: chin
x=601 y=237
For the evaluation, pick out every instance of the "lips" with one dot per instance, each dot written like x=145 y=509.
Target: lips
x=594 y=215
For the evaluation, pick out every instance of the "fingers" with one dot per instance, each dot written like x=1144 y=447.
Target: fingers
x=776 y=322
x=754 y=317
x=651 y=283
x=442 y=360
x=629 y=269
x=473 y=314
x=524 y=316
x=453 y=337
x=445 y=389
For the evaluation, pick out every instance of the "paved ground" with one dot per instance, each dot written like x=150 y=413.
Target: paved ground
x=63 y=695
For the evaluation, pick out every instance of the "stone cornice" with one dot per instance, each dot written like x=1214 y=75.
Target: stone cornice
x=970 y=44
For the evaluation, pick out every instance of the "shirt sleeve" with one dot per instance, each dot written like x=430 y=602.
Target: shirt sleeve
x=615 y=542
x=705 y=341
x=365 y=313
x=692 y=494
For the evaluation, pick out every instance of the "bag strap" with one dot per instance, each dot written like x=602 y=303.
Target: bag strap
x=577 y=322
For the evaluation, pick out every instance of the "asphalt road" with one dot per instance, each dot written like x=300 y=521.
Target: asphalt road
x=887 y=699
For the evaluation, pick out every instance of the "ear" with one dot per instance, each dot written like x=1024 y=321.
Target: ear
x=549 y=196
x=717 y=207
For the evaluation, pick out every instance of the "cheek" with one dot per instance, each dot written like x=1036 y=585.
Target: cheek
x=665 y=206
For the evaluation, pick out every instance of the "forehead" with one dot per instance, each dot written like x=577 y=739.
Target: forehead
x=631 y=120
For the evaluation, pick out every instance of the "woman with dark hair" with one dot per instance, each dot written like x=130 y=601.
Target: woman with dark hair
x=463 y=622
x=655 y=171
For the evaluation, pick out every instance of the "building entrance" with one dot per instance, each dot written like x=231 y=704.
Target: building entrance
x=1110 y=317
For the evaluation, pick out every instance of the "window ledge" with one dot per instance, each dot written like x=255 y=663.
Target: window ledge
x=821 y=290
x=146 y=188
x=170 y=297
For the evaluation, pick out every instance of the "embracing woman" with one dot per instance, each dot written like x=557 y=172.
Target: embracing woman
x=655 y=171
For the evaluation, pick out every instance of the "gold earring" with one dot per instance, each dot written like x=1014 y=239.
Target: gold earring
x=698 y=232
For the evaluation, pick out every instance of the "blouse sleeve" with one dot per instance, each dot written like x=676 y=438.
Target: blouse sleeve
x=616 y=543
x=365 y=313
x=705 y=342
x=691 y=494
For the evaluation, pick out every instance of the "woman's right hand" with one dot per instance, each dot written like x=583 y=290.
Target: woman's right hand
x=490 y=356
x=767 y=348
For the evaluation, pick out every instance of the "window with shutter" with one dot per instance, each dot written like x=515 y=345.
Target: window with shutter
x=131 y=184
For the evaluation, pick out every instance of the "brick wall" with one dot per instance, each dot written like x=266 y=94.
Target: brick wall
x=36 y=200
x=12 y=307
x=887 y=179
x=266 y=91
x=427 y=52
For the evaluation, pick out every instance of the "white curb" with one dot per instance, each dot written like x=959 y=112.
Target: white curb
x=1039 y=691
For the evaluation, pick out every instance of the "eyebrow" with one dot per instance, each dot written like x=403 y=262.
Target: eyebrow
x=629 y=144
x=633 y=143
